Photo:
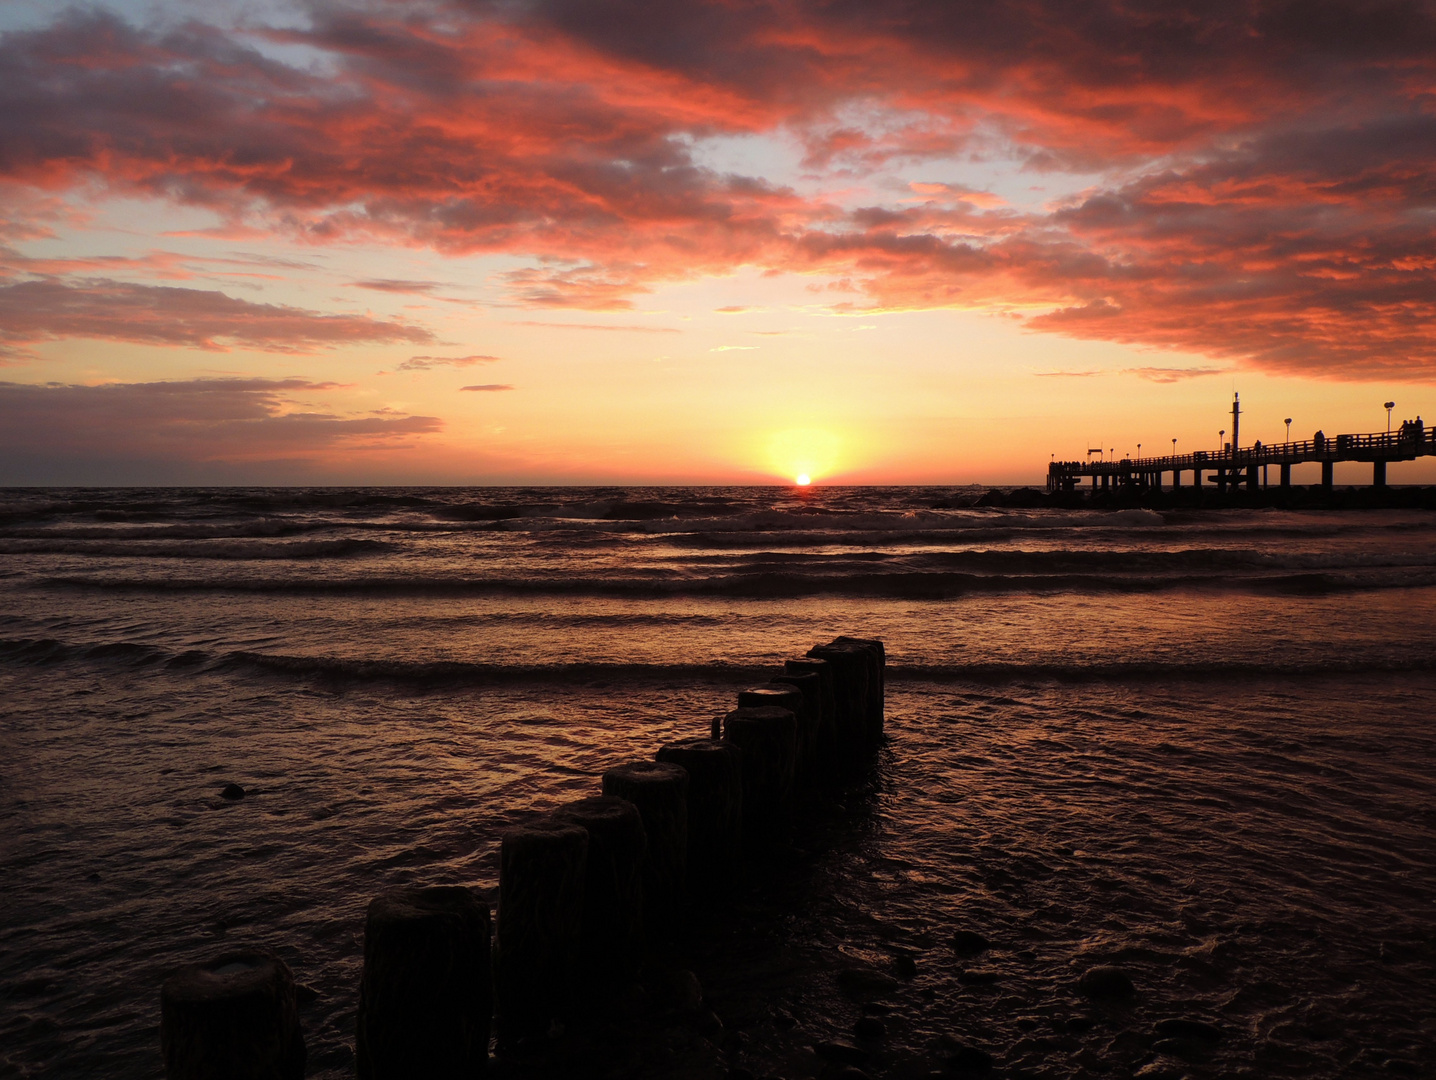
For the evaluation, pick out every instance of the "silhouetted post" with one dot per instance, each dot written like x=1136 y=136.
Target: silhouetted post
x=542 y=868
x=1286 y=475
x=234 y=1017
x=877 y=681
x=613 y=886
x=768 y=739
x=427 y=991
x=1378 y=474
x=660 y=791
x=715 y=805
x=785 y=696
x=850 y=664
x=810 y=684
x=1328 y=473
x=1251 y=477
x=825 y=744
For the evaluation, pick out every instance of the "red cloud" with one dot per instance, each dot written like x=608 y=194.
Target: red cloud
x=1272 y=200
x=32 y=311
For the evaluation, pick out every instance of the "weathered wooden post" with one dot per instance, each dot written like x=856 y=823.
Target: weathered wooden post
x=826 y=748
x=613 y=886
x=427 y=991
x=234 y=1017
x=715 y=805
x=542 y=867
x=660 y=791
x=768 y=739
x=877 y=678
x=785 y=696
x=850 y=694
x=810 y=685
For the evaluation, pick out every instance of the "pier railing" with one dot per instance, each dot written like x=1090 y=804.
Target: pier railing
x=1405 y=444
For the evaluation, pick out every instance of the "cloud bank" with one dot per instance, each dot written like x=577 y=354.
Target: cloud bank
x=1260 y=174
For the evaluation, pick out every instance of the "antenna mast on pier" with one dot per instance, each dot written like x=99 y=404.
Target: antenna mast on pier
x=1236 y=420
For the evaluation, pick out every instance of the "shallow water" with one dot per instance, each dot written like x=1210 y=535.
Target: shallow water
x=1220 y=780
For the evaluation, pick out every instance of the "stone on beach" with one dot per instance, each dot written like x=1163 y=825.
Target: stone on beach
x=427 y=990
x=234 y=1017
x=1106 y=983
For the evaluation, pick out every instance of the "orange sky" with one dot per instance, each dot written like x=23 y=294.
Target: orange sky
x=436 y=242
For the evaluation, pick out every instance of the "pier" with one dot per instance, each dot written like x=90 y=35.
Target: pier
x=1234 y=465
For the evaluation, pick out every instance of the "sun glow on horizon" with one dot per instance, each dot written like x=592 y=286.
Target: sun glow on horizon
x=803 y=480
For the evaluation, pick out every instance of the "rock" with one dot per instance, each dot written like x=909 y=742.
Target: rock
x=905 y=964
x=841 y=1053
x=1189 y=1029
x=232 y=792
x=1105 y=983
x=305 y=995
x=870 y=1027
x=860 y=982
x=967 y=1061
x=1079 y=1025
x=969 y=943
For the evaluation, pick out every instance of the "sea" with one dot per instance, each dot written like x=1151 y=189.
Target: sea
x=1194 y=744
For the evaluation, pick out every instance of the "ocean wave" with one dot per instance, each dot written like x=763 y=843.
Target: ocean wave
x=134 y=655
x=230 y=550
x=768 y=585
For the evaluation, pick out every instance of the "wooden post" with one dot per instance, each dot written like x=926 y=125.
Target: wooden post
x=427 y=991
x=542 y=868
x=1286 y=475
x=715 y=806
x=850 y=664
x=824 y=744
x=612 y=947
x=660 y=791
x=1378 y=474
x=785 y=696
x=877 y=680
x=1328 y=473
x=810 y=684
x=234 y=1017
x=768 y=739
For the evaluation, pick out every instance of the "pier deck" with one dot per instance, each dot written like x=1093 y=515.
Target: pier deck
x=1234 y=466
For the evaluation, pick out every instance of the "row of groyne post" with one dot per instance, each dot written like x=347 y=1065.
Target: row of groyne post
x=586 y=893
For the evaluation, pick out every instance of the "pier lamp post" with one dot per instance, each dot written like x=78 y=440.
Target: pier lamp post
x=1139 y=450
x=1222 y=434
x=1389 y=406
x=1287 y=421
x=1174 y=448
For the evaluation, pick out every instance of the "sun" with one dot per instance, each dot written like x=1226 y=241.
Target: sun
x=804 y=479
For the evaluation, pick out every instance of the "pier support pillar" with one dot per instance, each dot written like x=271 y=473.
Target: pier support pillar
x=1327 y=469
x=1378 y=474
x=1197 y=477
x=1176 y=479
x=1286 y=476
x=1251 y=477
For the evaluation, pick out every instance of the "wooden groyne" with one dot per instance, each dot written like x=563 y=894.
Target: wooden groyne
x=587 y=893
x=1235 y=466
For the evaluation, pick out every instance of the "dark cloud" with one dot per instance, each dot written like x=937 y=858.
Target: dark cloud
x=398 y=285
x=140 y=432
x=488 y=387
x=34 y=311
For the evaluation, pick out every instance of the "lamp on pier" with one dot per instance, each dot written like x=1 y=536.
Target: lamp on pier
x=1287 y=422
x=1389 y=406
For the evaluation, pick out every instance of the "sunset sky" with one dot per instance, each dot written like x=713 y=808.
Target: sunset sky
x=589 y=241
